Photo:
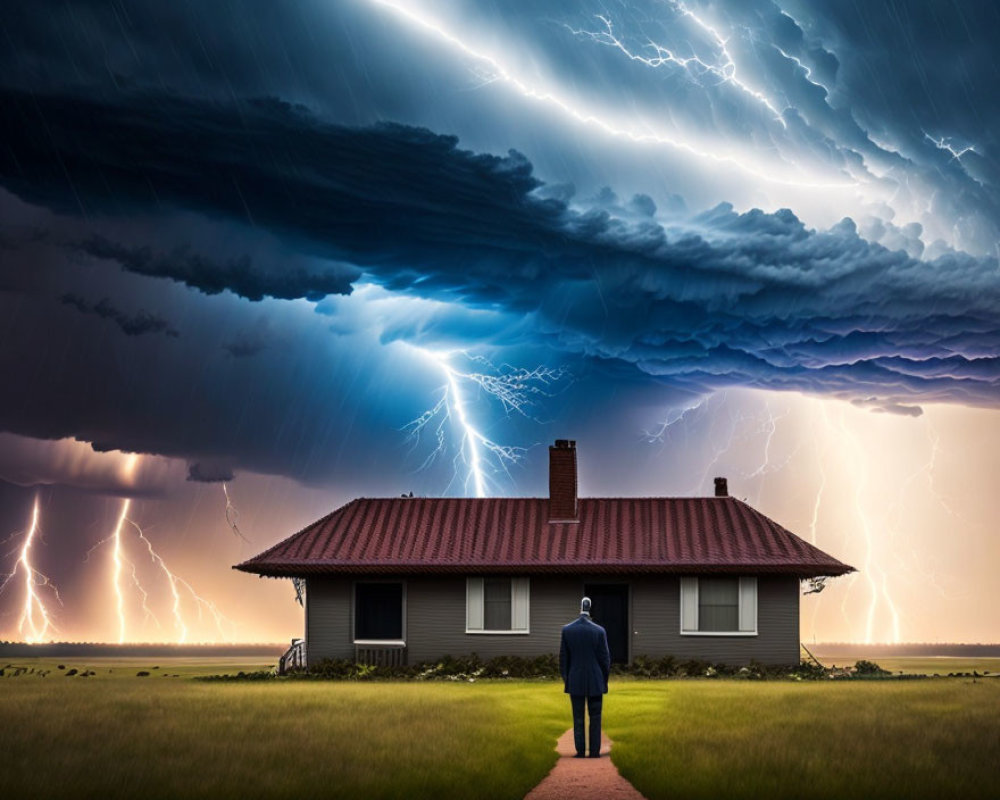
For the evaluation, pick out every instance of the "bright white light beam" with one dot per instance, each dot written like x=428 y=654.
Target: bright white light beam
x=586 y=116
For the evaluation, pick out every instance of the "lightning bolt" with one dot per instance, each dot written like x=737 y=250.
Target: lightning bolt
x=232 y=515
x=116 y=574
x=117 y=556
x=178 y=586
x=820 y=459
x=723 y=72
x=807 y=72
x=32 y=631
x=515 y=389
x=860 y=461
x=944 y=143
x=174 y=582
x=770 y=427
x=501 y=73
x=674 y=417
x=171 y=581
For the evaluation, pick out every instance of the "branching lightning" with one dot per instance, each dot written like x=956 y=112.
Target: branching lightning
x=174 y=582
x=171 y=581
x=674 y=417
x=120 y=560
x=35 y=622
x=944 y=143
x=723 y=72
x=491 y=69
x=478 y=455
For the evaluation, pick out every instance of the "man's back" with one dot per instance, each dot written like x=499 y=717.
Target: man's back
x=584 y=658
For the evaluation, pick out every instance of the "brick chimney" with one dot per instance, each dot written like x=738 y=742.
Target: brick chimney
x=562 y=481
x=721 y=487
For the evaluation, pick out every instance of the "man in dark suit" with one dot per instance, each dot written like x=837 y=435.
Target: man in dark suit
x=585 y=661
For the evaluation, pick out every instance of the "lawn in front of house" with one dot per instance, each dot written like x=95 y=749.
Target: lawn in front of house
x=829 y=739
x=114 y=734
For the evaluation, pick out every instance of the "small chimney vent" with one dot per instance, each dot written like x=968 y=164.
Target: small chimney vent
x=721 y=487
x=562 y=481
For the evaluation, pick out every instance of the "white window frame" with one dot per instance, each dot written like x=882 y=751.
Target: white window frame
x=520 y=607
x=747 y=608
x=354 y=603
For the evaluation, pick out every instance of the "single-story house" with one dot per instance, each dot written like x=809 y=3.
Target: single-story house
x=411 y=579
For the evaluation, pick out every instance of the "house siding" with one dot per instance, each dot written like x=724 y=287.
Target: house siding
x=656 y=624
x=328 y=619
x=435 y=620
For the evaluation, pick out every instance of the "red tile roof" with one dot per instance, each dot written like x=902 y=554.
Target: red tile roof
x=613 y=535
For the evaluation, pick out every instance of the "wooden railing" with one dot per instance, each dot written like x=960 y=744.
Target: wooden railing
x=380 y=655
x=294 y=657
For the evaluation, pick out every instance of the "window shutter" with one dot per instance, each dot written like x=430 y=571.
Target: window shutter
x=519 y=604
x=689 y=604
x=748 y=605
x=474 y=604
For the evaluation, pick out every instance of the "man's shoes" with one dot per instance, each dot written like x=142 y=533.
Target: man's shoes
x=579 y=755
x=594 y=755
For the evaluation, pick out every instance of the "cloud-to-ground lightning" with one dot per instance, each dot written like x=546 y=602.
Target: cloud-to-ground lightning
x=117 y=556
x=120 y=560
x=35 y=622
x=479 y=455
x=175 y=583
x=171 y=582
x=501 y=73
x=232 y=515
x=116 y=573
x=860 y=461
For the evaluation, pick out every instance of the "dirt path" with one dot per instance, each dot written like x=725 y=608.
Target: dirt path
x=583 y=778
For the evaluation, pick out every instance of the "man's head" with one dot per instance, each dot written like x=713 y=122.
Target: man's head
x=585 y=606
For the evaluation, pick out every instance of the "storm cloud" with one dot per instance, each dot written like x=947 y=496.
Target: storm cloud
x=262 y=183
x=717 y=299
x=136 y=324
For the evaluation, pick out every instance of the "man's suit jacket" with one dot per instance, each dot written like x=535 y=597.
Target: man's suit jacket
x=584 y=658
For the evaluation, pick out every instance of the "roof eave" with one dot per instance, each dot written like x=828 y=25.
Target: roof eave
x=314 y=568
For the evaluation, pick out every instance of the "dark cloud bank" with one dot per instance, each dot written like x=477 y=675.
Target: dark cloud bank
x=725 y=299
x=752 y=299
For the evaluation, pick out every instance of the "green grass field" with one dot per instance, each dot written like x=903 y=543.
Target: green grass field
x=115 y=735
x=118 y=735
x=858 y=739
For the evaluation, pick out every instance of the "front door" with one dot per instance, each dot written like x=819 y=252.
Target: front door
x=610 y=610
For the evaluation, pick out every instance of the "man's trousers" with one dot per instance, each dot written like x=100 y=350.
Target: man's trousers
x=594 y=710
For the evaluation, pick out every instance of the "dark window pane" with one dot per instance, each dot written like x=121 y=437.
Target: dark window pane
x=496 y=604
x=718 y=604
x=378 y=611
